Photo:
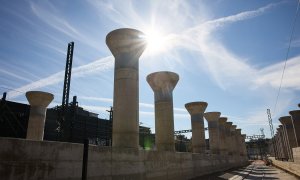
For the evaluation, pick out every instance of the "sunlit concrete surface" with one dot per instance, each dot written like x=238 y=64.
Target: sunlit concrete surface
x=127 y=46
x=38 y=101
x=196 y=110
x=163 y=84
x=256 y=170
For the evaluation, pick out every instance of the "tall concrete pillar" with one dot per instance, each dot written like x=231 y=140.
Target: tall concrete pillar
x=228 y=137
x=296 y=125
x=233 y=142
x=284 y=145
x=238 y=139
x=275 y=146
x=222 y=136
x=288 y=129
x=196 y=110
x=244 y=147
x=38 y=101
x=213 y=131
x=127 y=46
x=278 y=145
x=163 y=83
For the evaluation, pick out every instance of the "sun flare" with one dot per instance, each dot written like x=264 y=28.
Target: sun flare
x=155 y=41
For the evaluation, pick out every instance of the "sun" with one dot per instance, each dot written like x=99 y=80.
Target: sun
x=156 y=42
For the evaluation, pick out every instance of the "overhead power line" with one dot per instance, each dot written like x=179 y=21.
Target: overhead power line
x=287 y=55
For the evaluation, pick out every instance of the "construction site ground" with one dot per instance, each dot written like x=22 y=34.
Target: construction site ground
x=256 y=170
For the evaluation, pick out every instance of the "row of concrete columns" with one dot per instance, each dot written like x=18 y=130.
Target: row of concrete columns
x=127 y=46
x=224 y=138
x=287 y=136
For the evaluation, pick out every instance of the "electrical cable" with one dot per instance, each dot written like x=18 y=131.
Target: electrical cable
x=287 y=55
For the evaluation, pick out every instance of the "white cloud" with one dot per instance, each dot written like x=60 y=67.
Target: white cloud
x=213 y=52
x=100 y=65
x=106 y=100
x=14 y=75
x=226 y=69
x=53 y=17
x=240 y=16
x=272 y=74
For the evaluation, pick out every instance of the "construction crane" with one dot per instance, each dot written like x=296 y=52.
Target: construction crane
x=66 y=90
x=271 y=130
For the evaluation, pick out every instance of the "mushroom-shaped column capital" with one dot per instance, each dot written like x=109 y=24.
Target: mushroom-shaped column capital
x=39 y=98
x=295 y=114
x=288 y=128
x=296 y=124
x=196 y=110
x=196 y=107
x=38 y=101
x=232 y=128
x=127 y=45
x=228 y=125
x=163 y=81
x=222 y=120
x=285 y=120
x=125 y=42
x=212 y=116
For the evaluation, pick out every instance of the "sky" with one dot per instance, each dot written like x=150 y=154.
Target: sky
x=228 y=53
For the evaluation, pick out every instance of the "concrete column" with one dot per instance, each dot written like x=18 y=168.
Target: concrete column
x=287 y=148
x=287 y=124
x=280 y=144
x=244 y=147
x=228 y=137
x=275 y=147
x=222 y=136
x=238 y=139
x=284 y=145
x=213 y=131
x=163 y=83
x=278 y=153
x=196 y=110
x=296 y=125
x=279 y=147
x=233 y=142
x=38 y=101
x=127 y=46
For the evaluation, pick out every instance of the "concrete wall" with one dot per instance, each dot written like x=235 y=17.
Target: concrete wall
x=293 y=168
x=296 y=155
x=26 y=159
